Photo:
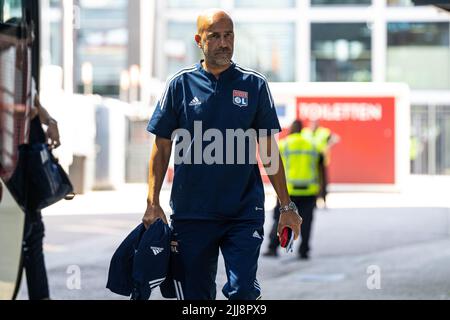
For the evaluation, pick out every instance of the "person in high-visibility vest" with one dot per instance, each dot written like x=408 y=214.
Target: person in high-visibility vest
x=302 y=162
x=323 y=140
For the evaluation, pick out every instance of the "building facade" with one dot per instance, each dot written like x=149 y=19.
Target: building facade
x=335 y=40
x=287 y=40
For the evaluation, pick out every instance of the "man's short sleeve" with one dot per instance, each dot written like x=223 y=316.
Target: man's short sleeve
x=266 y=115
x=164 y=119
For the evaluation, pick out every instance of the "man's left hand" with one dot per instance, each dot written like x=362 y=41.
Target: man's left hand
x=292 y=220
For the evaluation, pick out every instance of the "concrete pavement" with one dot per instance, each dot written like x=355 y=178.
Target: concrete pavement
x=364 y=246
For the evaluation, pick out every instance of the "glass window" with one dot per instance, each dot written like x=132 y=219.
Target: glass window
x=264 y=3
x=53 y=54
x=193 y=4
x=92 y=4
x=180 y=48
x=340 y=52
x=443 y=140
x=419 y=54
x=257 y=46
x=341 y=2
x=10 y=10
x=102 y=40
x=400 y=3
x=268 y=48
x=419 y=139
x=56 y=43
x=430 y=139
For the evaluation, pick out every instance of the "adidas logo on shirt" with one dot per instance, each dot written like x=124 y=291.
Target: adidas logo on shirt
x=195 y=102
x=256 y=235
x=157 y=250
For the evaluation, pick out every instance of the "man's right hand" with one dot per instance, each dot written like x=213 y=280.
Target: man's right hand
x=152 y=213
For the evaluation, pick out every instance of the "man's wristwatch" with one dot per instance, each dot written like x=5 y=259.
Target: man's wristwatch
x=289 y=207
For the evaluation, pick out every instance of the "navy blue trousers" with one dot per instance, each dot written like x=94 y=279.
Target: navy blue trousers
x=195 y=262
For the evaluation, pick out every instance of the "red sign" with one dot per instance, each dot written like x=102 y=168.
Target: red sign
x=366 y=127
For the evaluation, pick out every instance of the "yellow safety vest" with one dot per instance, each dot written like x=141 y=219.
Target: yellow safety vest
x=319 y=137
x=301 y=163
x=413 y=148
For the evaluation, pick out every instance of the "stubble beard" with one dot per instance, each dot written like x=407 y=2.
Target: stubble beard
x=217 y=61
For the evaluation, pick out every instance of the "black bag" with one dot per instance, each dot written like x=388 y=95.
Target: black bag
x=39 y=180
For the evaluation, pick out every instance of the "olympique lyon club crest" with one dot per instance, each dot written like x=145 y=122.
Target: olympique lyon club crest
x=240 y=98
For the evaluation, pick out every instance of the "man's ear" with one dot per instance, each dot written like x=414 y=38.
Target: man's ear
x=198 y=39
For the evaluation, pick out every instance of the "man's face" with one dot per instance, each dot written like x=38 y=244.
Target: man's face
x=217 y=43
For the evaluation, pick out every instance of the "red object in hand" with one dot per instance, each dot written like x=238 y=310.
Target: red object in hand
x=285 y=237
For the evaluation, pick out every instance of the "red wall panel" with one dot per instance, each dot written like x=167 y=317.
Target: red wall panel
x=366 y=126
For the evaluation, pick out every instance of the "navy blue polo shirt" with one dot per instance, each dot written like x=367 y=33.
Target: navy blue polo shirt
x=193 y=99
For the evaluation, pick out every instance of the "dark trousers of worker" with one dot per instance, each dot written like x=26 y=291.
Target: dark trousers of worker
x=324 y=182
x=33 y=256
x=306 y=206
x=195 y=263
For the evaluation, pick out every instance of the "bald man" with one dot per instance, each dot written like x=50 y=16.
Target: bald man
x=219 y=204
